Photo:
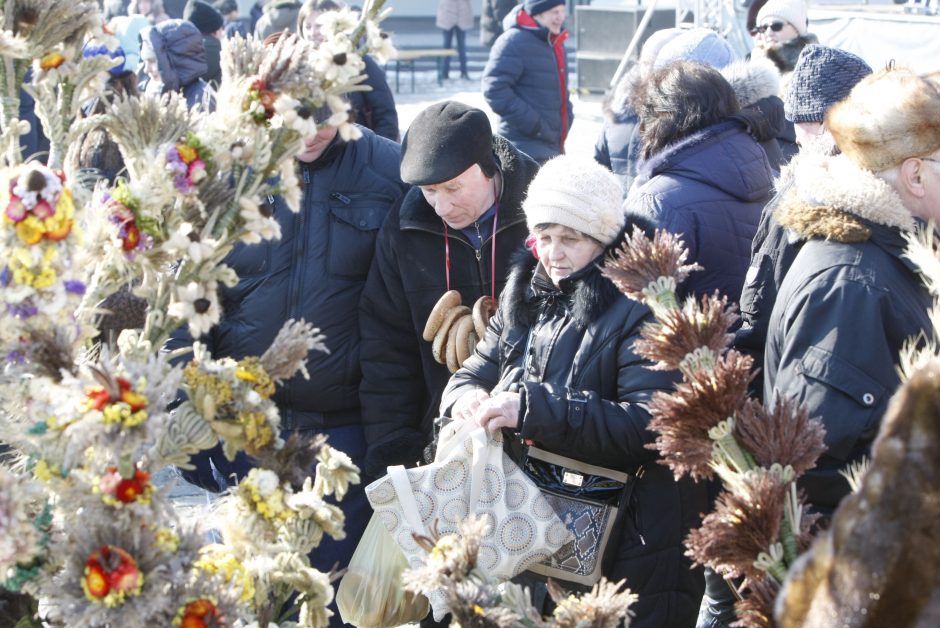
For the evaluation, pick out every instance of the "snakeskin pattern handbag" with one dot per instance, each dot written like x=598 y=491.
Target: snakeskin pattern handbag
x=589 y=500
x=471 y=476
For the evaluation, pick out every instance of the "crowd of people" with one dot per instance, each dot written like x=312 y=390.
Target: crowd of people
x=792 y=176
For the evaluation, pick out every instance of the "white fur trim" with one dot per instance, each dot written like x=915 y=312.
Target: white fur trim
x=837 y=182
x=753 y=80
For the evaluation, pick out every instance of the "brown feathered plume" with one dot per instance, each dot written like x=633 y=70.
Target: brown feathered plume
x=742 y=526
x=786 y=436
x=683 y=417
x=678 y=332
x=640 y=261
x=757 y=607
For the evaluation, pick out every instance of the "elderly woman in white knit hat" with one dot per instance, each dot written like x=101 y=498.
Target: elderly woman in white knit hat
x=556 y=371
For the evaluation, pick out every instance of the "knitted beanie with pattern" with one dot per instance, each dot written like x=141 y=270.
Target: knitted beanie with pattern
x=578 y=193
x=822 y=77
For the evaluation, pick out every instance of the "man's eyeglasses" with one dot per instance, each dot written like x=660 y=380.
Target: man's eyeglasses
x=774 y=26
x=936 y=161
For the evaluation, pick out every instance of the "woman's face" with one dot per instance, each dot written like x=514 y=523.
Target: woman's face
x=564 y=251
x=310 y=30
x=772 y=31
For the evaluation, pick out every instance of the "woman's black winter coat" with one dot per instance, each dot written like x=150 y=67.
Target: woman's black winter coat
x=583 y=349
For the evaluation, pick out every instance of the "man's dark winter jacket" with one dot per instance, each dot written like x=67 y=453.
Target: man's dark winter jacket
x=213 y=46
x=847 y=305
x=401 y=383
x=181 y=58
x=315 y=272
x=710 y=188
x=585 y=394
x=375 y=109
x=525 y=83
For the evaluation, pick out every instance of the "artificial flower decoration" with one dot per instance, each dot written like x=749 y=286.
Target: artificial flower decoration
x=197 y=304
x=118 y=491
x=39 y=206
x=186 y=163
x=111 y=576
x=201 y=613
x=134 y=234
x=117 y=401
x=260 y=103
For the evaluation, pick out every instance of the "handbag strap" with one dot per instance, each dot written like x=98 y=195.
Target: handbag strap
x=406 y=498
x=480 y=440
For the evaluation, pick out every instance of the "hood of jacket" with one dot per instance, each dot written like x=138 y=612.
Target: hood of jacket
x=743 y=176
x=180 y=52
x=752 y=80
x=516 y=169
x=831 y=197
x=586 y=294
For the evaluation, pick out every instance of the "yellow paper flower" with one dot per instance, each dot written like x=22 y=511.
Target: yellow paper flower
x=187 y=153
x=51 y=61
x=216 y=559
x=30 y=230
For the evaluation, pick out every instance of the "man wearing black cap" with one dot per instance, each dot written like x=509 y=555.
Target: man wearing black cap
x=455 y=229
x=209 y=22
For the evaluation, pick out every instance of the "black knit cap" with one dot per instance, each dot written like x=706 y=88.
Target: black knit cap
x=534 y=7
x=444 y=140
x=203 y=16
x=821 y=77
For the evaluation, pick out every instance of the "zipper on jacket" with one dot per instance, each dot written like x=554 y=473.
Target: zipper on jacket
x=294 y=285
x=336 y=196
x=480 y=238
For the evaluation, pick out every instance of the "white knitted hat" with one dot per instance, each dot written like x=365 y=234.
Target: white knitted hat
x=579 y=193
x=792 y=11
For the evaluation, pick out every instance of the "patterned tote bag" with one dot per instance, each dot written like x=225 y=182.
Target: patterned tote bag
x=472 y=475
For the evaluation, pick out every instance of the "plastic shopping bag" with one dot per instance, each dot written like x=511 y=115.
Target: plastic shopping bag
x=371 y=594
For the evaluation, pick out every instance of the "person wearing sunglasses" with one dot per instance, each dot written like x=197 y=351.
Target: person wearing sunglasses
x=781 y=32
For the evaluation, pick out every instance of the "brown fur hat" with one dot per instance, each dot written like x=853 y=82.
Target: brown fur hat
x=890 y=116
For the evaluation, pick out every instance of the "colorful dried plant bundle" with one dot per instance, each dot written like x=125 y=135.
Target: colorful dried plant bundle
x=25 y=518
x=91 y=423
x=606 y=605
x=41 y=272
x=475 y=598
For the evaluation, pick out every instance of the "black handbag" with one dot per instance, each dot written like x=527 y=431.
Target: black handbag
x=591 y=501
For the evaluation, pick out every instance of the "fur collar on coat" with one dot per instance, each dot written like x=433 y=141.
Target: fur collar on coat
x=588 y=294
x=831 y=197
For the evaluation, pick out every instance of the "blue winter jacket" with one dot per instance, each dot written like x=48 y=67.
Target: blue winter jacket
x=523 y=85
x=315 y=272
x=181 y=58
x=375 y=109
x=710 y=188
